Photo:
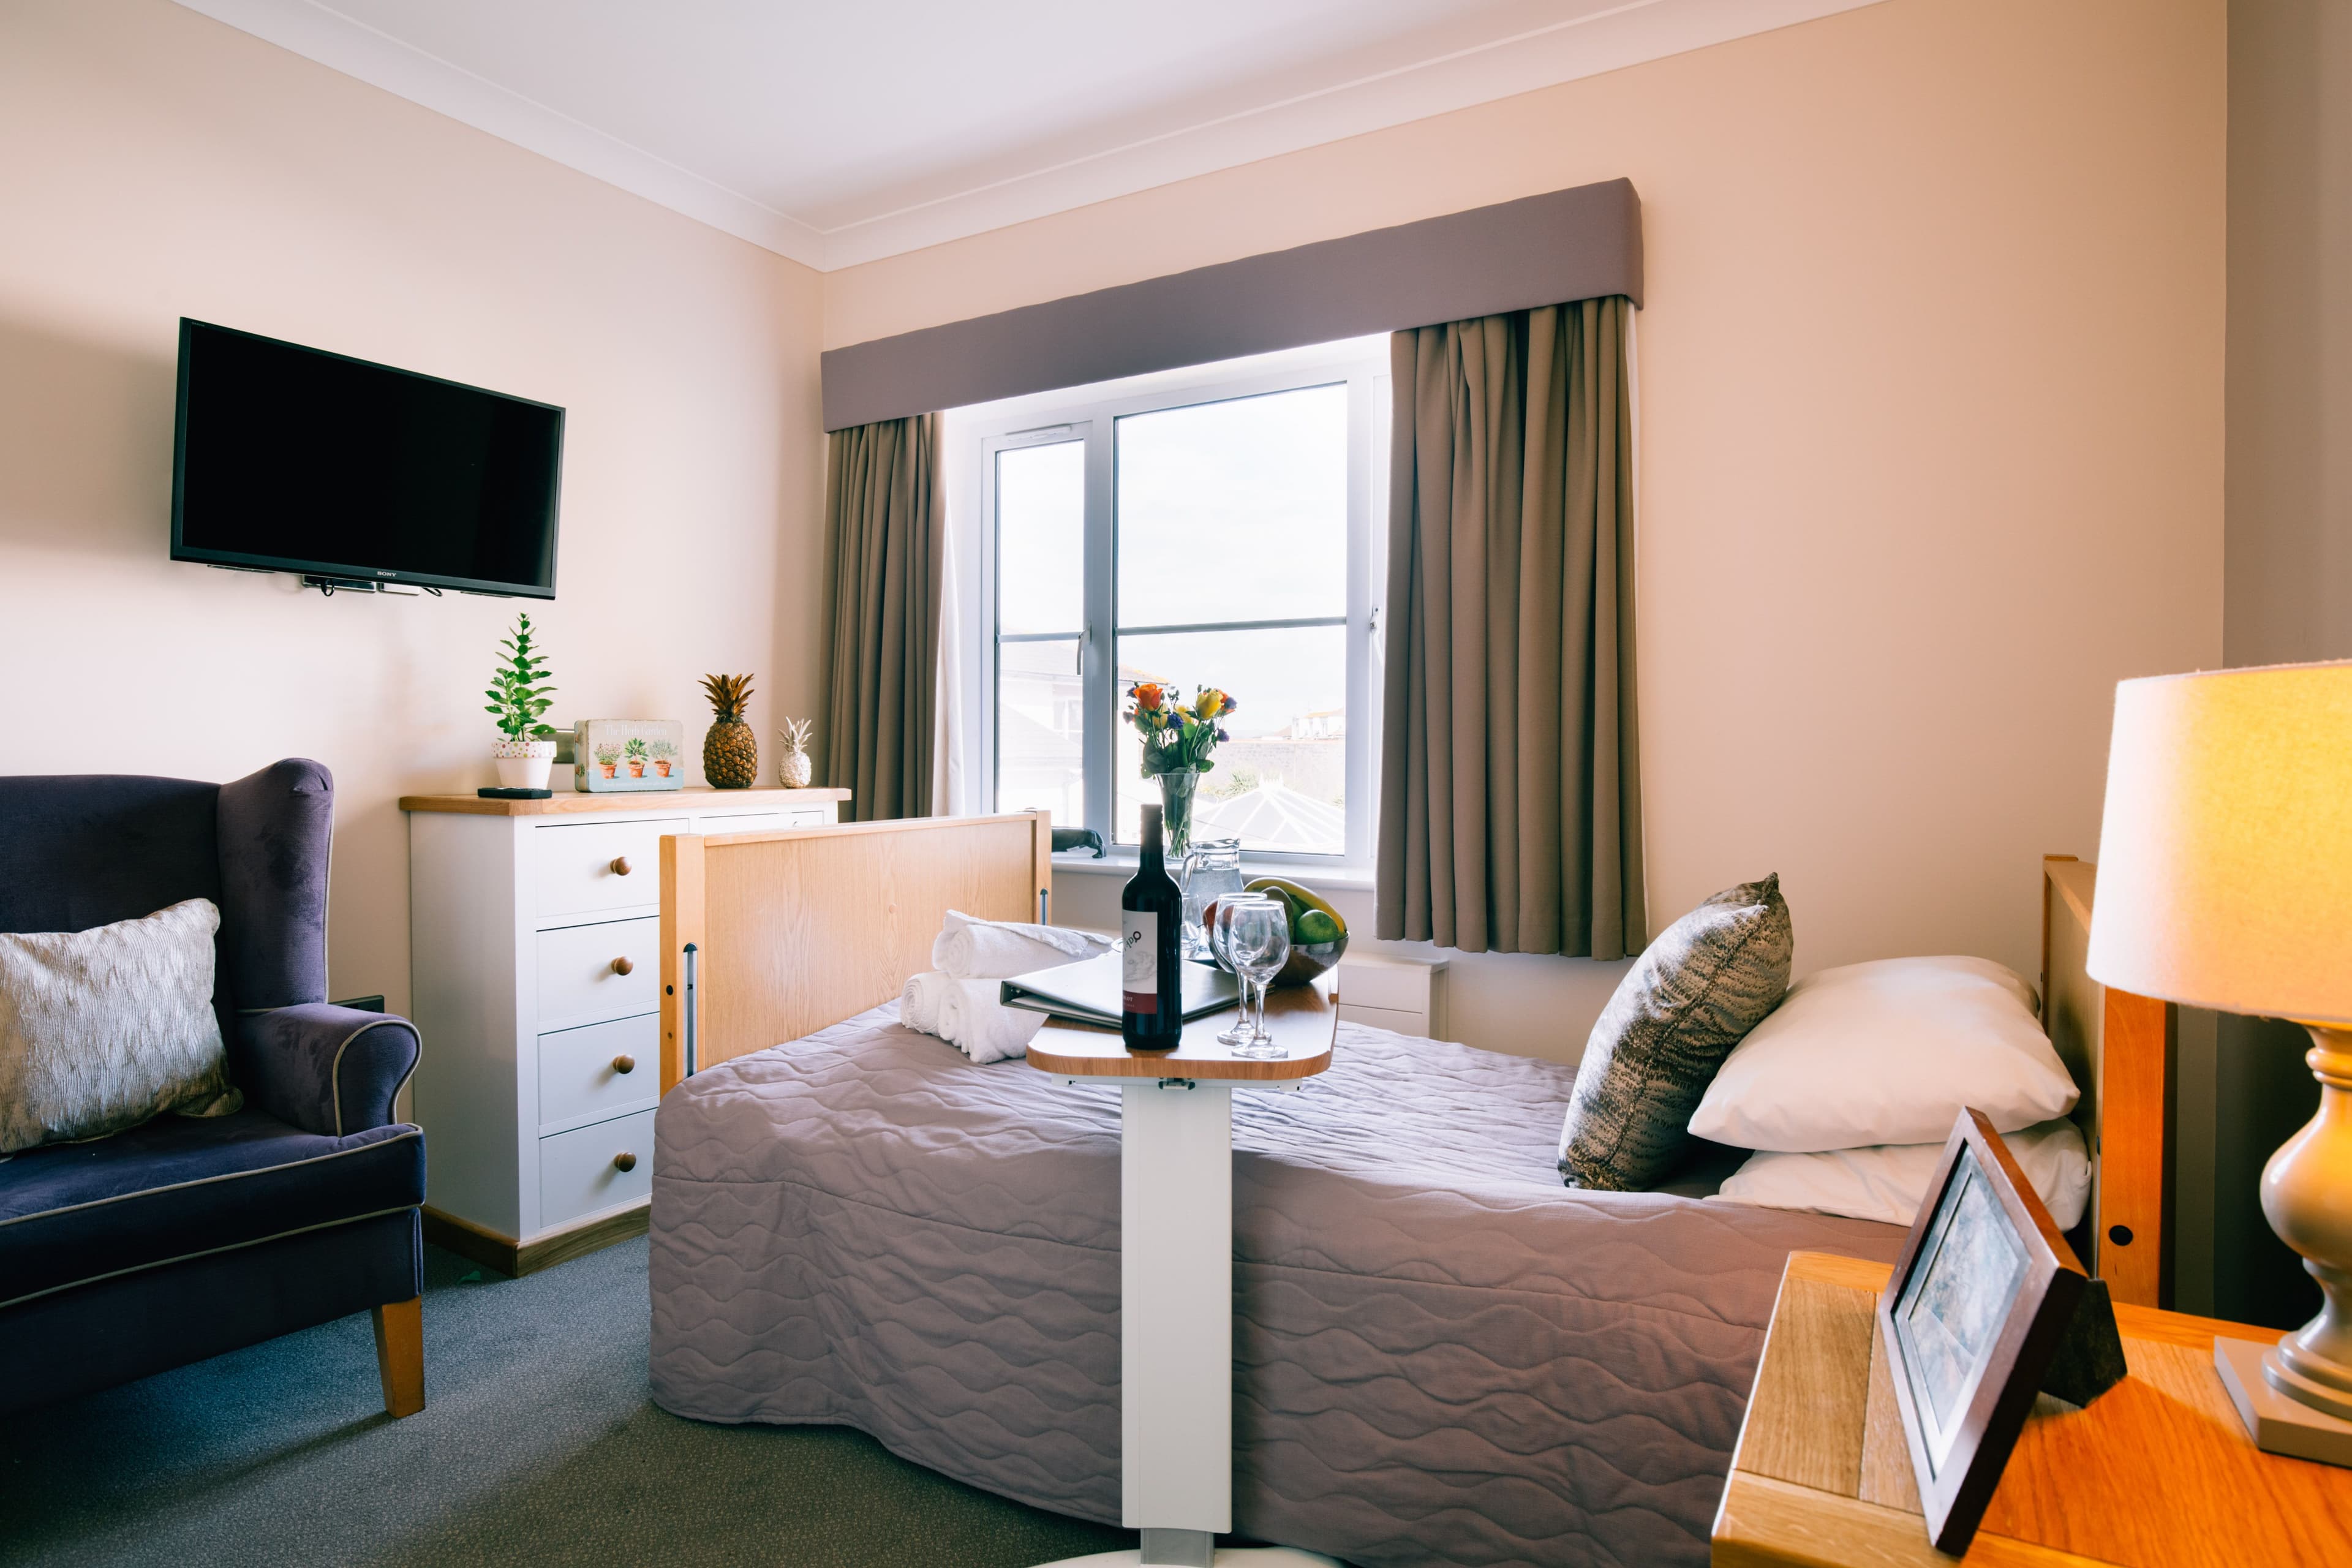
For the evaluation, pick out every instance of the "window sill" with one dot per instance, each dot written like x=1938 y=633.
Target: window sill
x=1334 y=879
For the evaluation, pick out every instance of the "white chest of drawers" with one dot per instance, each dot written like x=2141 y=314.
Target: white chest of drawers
x=535 y=979
x=1407 y=994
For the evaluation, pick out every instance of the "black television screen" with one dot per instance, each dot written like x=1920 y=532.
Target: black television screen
x=293 y=460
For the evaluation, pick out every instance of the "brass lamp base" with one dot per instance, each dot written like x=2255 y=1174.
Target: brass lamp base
x=2295 y=1396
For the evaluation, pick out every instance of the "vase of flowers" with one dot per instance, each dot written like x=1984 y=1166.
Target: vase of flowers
x=1178 y=738
x=517 y=693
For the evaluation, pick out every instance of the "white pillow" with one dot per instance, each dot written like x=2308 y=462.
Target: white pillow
x=1887 y=1052
x=1889 y=1182
x=102 y=1030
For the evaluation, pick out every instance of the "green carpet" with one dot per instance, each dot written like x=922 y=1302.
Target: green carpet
x=539 y=1442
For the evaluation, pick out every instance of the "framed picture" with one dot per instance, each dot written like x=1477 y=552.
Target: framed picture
x=1979 y=1300
x=613 y=756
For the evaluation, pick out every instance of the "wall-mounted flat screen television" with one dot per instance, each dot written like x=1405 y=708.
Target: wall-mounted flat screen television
x=294 y=459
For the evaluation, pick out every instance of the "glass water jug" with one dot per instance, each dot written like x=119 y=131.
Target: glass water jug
x=1212 y=869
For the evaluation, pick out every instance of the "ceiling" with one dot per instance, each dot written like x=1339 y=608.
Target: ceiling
x=838 y=134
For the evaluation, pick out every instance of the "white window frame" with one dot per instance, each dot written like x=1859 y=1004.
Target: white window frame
x=1091 y=416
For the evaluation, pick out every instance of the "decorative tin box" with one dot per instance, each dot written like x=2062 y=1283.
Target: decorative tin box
x=613 y=755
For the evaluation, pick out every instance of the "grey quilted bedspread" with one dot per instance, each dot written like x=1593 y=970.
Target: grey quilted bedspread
x=1441 y=1354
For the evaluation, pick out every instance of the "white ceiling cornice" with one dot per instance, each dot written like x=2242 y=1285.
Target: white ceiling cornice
x=380 y=61
x=1623 y=35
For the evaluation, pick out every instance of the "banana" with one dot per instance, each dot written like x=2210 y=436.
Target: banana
x=1300 y=899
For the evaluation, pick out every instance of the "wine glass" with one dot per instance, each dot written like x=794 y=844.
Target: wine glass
x=1243 y=1031
x=1257 y=937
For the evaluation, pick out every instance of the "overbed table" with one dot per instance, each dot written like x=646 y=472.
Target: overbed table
x=1176 y=1268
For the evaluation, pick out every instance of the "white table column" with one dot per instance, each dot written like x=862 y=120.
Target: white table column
x=1176 y=1313
x=1176 y=1271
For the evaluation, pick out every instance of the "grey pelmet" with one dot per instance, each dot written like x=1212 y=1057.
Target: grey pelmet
x=1696 y=991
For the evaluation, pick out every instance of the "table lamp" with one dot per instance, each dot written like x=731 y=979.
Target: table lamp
x=2225 y=882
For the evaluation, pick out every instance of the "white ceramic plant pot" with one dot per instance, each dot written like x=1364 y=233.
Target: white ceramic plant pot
x=523 y=764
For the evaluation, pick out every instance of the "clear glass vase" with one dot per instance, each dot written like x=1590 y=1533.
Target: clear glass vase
x=1176 y=810
x=1212 y=869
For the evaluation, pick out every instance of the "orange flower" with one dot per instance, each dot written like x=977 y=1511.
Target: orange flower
x=1147 y=695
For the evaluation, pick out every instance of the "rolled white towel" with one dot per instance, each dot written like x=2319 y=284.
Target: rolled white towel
x=918 y=1004
x=971 y=949
x=972 y=1020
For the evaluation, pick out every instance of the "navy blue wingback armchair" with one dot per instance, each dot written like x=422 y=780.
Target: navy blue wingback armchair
x=182 y=1238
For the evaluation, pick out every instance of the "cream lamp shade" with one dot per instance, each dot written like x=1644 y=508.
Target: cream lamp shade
x=2225 y=856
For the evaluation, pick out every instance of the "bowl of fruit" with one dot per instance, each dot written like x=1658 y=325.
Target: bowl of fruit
x=1317 y=935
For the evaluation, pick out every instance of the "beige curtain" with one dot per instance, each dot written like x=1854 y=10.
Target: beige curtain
x=886 y=528
x=1511 y=800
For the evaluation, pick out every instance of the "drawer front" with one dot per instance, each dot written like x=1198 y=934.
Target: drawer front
x=579 y=1077
x=1399 y=986
x=577 y=1174
x=816 y=816
x=1413 y=1024
x=744 y=822
x=580 y=978
x=576 y=865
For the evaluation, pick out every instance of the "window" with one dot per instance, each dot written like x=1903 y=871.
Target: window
x=1207 y=528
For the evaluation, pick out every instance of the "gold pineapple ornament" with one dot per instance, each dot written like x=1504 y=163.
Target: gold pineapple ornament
x=731 y=752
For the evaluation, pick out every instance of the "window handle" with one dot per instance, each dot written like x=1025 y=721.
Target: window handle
x=1078 y=663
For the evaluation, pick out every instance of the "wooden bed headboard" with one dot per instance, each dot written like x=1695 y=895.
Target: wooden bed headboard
x=2119 y=1047
x=793 y=930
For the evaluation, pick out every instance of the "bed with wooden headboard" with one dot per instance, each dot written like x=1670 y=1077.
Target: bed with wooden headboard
x=859 y=1227
x=768 y=937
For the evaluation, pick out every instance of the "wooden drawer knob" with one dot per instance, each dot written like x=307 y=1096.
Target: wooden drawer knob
x=625 y=1064
x=620 y=865
x=622 y=966
x=624 y=1161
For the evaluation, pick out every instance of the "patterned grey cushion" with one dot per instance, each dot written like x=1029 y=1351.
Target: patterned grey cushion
x=102 y=1030
x=1688 y=999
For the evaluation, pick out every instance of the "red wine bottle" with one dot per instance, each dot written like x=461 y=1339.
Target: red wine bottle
x=1152 y=1016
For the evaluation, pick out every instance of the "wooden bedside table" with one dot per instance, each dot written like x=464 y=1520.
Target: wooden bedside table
x=2159 y=1471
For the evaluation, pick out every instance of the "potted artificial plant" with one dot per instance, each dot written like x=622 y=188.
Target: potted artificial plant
x=518 y=694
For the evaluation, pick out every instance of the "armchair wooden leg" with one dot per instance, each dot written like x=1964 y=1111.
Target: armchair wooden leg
x=400 y=1354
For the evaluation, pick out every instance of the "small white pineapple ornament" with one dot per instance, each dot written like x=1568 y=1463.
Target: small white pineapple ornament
x=794 y=769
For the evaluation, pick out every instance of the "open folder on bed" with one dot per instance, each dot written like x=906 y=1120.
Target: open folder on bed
x=1088 y=991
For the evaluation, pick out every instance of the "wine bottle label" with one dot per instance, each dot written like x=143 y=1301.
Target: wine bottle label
x=1139 y=963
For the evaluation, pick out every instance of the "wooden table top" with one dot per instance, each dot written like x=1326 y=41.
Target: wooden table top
x=1303 y=1018
x=562 y=802
x=2158 y=1472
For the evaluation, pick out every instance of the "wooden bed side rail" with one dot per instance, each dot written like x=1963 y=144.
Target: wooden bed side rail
x=767 y=937
x=2119 y=1047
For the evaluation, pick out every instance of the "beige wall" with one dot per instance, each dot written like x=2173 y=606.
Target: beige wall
x=155 y=164
x=1931 y=398
x=2290 y=327
x=1931 y=380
